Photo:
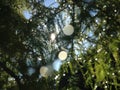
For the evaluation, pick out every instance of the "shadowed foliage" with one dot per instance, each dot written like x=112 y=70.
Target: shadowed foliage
x=93 y=50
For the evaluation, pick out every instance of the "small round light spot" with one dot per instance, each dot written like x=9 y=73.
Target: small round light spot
x=63 y=74
x=43 y=71
x=52 y=36
x=62 y=55
x=105 y=87
x=68 y=30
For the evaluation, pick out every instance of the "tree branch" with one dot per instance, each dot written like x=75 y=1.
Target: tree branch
x=10 y=72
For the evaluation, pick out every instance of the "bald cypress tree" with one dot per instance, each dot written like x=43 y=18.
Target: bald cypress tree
x=65 y=45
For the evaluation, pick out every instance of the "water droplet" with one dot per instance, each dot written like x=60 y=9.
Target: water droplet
x=63 y=74
x=62 y=55
x=99 y=50
x=103 y=29
x=104 y=21
x=96 y=59
x=53 y=36
x=113 y=74
x=115 y=10
x=68 y=30
x=108 y=73
x=56 y=77
x=93 y=76
x=39 y=58
x=104 y=6
x=119 y=71
x=106 y=82
x=105 y=87
x=96 y=86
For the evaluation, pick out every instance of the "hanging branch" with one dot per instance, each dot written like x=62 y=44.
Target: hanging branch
x=11 y=73
x=73 y=19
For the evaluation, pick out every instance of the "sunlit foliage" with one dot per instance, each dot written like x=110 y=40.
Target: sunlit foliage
x=28 y=43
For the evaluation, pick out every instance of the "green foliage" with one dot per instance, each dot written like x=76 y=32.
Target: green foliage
x=93 y=61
